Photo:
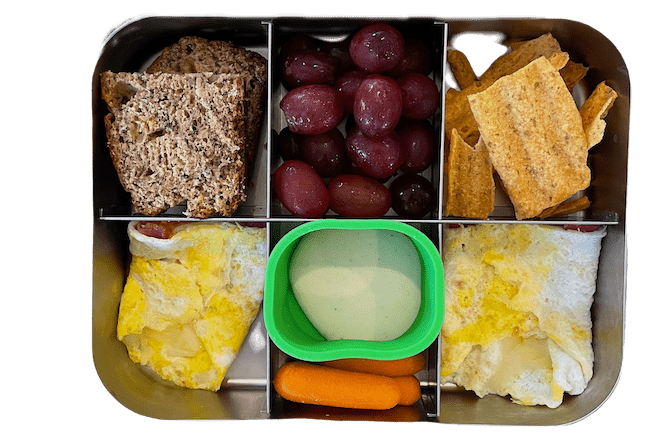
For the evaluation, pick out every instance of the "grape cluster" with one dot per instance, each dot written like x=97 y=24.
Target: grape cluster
x=380 y=81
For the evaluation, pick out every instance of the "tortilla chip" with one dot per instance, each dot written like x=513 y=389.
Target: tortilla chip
x=523 y=54
x=470 y=186
x=572 y=73
x=461 y=69
x=458 y=115
x=594 y=110
x=535 y=138
x=566 y=208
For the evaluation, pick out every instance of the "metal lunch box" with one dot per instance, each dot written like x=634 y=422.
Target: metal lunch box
x=247 y=392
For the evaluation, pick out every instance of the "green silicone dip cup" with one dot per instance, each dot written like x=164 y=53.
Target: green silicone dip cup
x=292 y=332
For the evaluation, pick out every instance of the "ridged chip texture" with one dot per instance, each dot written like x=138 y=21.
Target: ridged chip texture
x=535 y=137
x=176 y=138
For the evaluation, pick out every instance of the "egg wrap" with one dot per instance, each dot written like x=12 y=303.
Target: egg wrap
x=517 y=310
x=189 y=300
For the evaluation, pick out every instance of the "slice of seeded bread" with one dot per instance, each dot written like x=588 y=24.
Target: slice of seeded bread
x=176 y=138
x=196 y=54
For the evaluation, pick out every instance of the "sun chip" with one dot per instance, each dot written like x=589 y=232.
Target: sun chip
x=461 y=68
x=524 y=53
x=534 y=136
x=594 y=110
x=470 y=185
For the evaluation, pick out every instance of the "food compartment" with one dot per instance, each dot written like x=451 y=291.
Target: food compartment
x=332 y=36
x=424 y=409
x=483 y=41
x=132 y=48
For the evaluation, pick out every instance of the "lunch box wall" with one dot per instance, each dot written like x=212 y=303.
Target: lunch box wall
x=247 y=392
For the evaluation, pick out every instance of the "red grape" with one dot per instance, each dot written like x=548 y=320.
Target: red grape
x=377 y=106
x=377 y=47
x=420 y=96
x=312 y=109
x=309 y=67
x=358 y=196
x=379 y=158
x=302 y=192
x=413 y=196
x=290 y=145
x=347 y=85
x=296 y=43
x=417 y=142
x=339 y=50
x=352 y=168
x=326 y=152
x=416 y=58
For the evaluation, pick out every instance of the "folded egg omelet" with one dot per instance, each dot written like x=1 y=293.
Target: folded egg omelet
x=190 y=299
x=517 y=310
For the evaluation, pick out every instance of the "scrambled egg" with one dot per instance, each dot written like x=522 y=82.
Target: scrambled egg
x=189 y=300
x=517 y=310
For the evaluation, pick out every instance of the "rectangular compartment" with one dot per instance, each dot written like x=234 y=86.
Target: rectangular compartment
x=427 y=409
x=429 y=30
x=132 y=48
x=607 y=160
x=247 y=391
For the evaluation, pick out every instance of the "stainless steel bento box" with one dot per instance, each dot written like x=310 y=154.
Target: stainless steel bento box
x=247 y=392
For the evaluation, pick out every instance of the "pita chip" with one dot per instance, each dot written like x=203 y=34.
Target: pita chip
x=458 y=115
x=594 y=110
x=525 y=52
x=572 y=73
x=566 y=208
x=461 y=69
x=470 y=186
x=534 y=136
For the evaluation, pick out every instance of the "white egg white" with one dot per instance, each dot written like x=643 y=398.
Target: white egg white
x=190 y=299
x=517 y=315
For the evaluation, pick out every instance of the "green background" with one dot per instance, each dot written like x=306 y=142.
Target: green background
x=51 y=388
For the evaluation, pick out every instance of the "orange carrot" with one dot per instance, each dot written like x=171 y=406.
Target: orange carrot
x=319 y=385
x=409 y=386
x=392 y=368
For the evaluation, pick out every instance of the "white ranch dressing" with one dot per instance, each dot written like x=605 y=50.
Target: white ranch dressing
x=357 y=284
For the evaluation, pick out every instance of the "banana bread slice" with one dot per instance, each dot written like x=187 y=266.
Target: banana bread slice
x=195 y=54
x=176 y=138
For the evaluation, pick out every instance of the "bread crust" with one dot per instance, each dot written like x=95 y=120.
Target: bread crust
x=178 y=137
x=195 y=54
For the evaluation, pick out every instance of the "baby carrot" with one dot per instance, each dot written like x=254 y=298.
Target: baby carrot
x=392 y=368
x=314 y=384
x=409 y=386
